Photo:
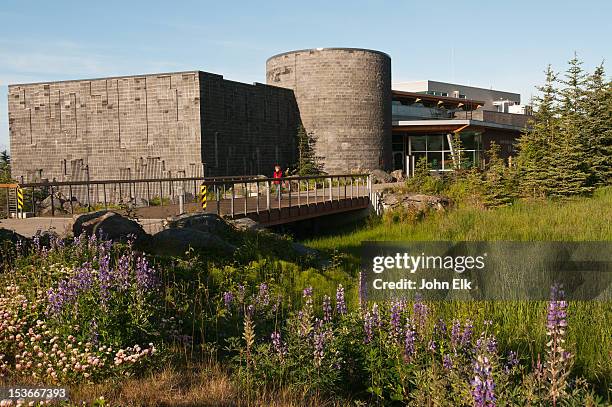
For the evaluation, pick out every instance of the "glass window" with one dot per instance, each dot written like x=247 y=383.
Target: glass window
x=434 y=142
x=418 y=143
x=435 y=160
x=469 y=141
x=398 y=161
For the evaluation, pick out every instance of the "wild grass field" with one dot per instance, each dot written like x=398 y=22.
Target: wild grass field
x=268 y=326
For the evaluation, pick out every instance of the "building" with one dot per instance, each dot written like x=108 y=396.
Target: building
x=424 y=125
x=495 y=100
x=196 y=123
x=149 y=126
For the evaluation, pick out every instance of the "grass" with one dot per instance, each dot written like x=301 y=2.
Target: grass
x=581 y=219
x=519 y=322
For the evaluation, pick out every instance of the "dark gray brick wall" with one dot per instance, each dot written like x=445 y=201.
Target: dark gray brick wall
x=344 y=99
x=149 y=126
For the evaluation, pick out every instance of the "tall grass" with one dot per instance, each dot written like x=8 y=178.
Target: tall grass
x=519 y=322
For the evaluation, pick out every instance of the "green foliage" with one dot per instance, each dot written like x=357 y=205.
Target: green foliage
x=308 y=163
x=5 y=167
x=568 y=149
x=498 y=180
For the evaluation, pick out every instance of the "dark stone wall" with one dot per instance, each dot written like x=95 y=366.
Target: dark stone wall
x=246 y=129
x=344 y=99
x=148 y=126
x=119 y=127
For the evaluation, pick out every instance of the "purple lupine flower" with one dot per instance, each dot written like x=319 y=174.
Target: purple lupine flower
x=105 y=278
x=466 y=337
x=250 y=310
x=307 y=296
x=375 y=316
x=440 y=328
x=511 y=361
x=145 y=274
x=447 y=362
x=483 y=386
x=319 y=346
x=455 y=333
x=36 y=241
x=277 y=344
x=263 y=297
x=327 y=309
x=241 y=291
x=122 y=273
x=420 y=312
x=228 y=297
x=432 y=345
x=367 y=327
x=491 y=345
x=340 y=302
x=409 y=340
x=395 y=321
x=68 y=290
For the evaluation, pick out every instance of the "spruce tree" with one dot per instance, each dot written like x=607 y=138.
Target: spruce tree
x=569 y=173
x=308 y=162
x=498 y=180
x=534 y=160
x=598 y=127
x=459 y=156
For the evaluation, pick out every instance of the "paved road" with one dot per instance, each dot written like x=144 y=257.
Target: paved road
x=62 y=226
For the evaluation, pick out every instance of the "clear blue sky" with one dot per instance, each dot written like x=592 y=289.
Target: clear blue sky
x=503 y=44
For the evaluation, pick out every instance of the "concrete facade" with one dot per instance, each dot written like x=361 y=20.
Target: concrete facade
x=344 y=100
x=147 y=126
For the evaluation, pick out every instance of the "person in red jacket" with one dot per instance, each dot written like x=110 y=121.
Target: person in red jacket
x=278 y=173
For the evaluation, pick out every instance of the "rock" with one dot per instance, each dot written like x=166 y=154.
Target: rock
x=203 y=222
x=381 y=177
x=111 y=225
x=46 y=203
x=245 y=224
x=398 y=175
x=393 y=200
x=7 y=235
x=177 y=241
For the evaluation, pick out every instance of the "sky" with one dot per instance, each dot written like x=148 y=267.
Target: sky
x=501 y=44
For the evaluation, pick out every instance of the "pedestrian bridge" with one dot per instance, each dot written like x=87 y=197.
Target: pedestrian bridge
x=253 y=197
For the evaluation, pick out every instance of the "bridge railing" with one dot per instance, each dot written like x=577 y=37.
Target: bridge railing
x=230 y=196
x=257 y=195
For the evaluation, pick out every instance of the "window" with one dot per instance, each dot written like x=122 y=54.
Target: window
x=436 y=149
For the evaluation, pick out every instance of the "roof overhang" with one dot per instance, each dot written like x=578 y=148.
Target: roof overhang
x=425 y=126
x=448 y=102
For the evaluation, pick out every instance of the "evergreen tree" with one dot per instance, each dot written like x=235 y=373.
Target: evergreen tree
x=534 y=161
x=308 y=162
x=498 y=180
x=598 y=127
x=5 y=166
x=460 y=161
x=569 y=173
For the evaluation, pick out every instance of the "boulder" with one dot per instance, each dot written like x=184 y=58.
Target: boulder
x=46 y=203
x=111 y=225
x=177 y=241
x=203 y=222
x=381 y=177
x=398 y=175
x=245 y=224
x=7 y=235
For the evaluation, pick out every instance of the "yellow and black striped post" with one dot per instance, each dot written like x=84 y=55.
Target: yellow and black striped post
x=19 y=198
x=203 y=193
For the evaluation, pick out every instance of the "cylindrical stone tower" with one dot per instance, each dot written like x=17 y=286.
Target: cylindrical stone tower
x=344 y=100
